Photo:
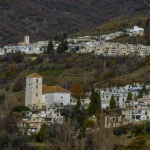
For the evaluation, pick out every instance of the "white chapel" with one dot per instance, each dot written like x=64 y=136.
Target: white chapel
x=38 y=95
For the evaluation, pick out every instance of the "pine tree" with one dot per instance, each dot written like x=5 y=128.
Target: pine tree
x=50 y=48
x=129 y=97
x=112 y=102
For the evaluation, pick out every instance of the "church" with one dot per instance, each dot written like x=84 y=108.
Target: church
x=40 y=96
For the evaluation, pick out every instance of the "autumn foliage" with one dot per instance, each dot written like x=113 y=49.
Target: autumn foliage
x=147 y=60
x=77 y=90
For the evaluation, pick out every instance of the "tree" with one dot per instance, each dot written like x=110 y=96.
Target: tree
x=143 y=91
x=147 y=127
x=112 y=102
x=21 y=108
x=92 y=106
x=77 y=90
x=129 y=97
x=60 y=48
x=138 y=129
x=147 y=24
x=3 y=139
x=119 y=131
x=95 y=103
x=63 y=46
x=40 y=137
x=98 y=102
x=78 y=105
x=50 y=48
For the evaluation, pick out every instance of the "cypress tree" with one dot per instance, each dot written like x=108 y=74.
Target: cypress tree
x=78 y=105
x=95 y=104
x=50 y=47
x=112 y=102
x=92 y=107
x=129 y=97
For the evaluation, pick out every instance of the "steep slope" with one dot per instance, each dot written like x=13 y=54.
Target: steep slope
x=46 y=18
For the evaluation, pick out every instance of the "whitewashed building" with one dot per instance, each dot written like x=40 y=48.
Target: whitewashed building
x=39 y=96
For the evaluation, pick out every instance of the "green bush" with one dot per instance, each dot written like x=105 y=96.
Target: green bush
x=147 y=127
x=138 y=129
x=20 y=109
x=119 y=131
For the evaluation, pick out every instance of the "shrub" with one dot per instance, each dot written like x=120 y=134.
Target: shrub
x=7 y=87
x=18 y=86
x=2 y=98
x=20 y=109
x=147 y=127
x=3 y=139
x=119 y=131
x=138 y=129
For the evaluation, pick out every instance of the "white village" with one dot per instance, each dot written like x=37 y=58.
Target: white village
x=46 y=102
x=86 y=44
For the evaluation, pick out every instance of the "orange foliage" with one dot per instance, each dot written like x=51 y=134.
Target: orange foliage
x=69 y=60
x=2 y=75
x=147 y=60
x=77 y=90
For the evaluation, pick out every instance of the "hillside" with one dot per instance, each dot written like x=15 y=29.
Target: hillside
x=117 y=24
x=130 y=39
x=44 y=19
x=67 y=72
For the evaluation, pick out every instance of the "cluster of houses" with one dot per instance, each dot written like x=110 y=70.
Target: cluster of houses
x=24 y=46
x=85 y=44
x=47 y=102
x=134 y=110
x=100 y=46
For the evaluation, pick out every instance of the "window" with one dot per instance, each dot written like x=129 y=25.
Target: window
x=36 y=94
x=36 y=80
x=37 y=86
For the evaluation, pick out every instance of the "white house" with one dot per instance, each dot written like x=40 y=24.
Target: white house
x=38 y=95
x=135 y=31
x=135 y=115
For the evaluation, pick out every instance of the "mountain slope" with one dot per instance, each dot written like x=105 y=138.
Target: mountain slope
x=46 y=18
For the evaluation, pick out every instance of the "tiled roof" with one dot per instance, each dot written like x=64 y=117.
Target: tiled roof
x=53 y=89
x=34 y=75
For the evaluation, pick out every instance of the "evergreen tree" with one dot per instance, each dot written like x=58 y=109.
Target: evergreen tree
x=63 y=46
x=92 y=106
x=129 y=96
x=95 y=103
x=50 y=48
x=143 y=91
x=98 y=102
x=60 y=48
x=112 y=102
x=140 y=94
x=78 y=105
x=147 y=24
